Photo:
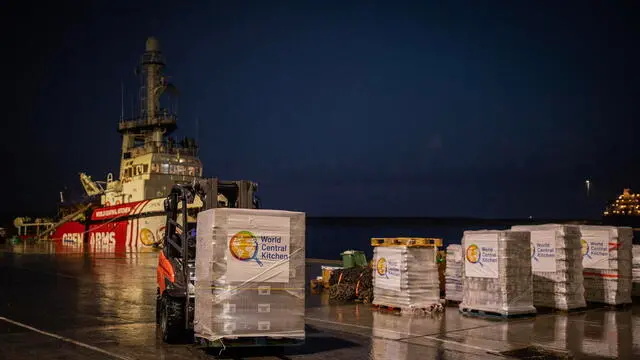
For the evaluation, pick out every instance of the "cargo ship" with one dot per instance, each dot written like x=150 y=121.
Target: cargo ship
x=127 y=214
x=624 y=211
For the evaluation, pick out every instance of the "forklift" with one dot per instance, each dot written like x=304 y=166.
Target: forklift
x=175 y=274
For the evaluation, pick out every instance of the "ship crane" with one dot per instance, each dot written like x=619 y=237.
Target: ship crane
x=92 y=188
x=71 y=217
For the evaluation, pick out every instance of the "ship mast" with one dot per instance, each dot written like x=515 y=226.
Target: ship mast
x=146 y=132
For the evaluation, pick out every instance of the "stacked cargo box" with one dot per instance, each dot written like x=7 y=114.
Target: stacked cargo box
x=636 y=271
x=405 y=275
x=607 y=254
x=453 y=273
x=556 y=261
x=250 y=274
x=497 y=272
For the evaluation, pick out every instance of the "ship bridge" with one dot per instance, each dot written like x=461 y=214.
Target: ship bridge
x=151 y=160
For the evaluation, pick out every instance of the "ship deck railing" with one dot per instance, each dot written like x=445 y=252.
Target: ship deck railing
x=146 y=149
x=159 y=119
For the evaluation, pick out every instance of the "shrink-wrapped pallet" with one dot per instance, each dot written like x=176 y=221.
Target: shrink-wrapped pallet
x=635 y=291
x=497 y=276
x=405 y=277
x=607 y=257
x=453 y=273
x=250 y=274
x=556 y=262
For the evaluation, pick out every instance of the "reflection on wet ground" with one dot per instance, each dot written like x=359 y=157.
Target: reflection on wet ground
x=72 y=305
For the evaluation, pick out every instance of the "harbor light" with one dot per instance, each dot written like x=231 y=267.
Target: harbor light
x=587 y=183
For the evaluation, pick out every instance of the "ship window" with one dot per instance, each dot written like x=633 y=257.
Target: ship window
x=164 y=168
x=142 y=169
x=180 y=170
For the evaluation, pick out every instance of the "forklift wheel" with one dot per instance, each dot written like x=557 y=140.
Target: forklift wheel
x=172 y=320
x=158 y=308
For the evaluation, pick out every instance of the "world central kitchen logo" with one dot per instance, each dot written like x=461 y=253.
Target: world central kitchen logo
x=533 y=253
x=381 y=267
x=585 y=248
x=473 y=254
x=245 y=246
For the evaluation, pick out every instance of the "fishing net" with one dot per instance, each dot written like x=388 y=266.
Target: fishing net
x=342 y=292
x=351 y=284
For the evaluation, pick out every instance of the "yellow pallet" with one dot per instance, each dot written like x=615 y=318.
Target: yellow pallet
x=406 y=241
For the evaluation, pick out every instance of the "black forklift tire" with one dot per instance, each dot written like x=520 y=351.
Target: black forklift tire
x=277 y=350
x=158 y=307
x=172 y=324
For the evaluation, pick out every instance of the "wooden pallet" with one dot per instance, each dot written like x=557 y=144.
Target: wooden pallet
x=406 y=241
x=243 y=342
x=493 y=315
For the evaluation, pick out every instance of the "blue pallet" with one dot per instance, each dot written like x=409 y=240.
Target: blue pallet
x=546 y=309
x=243 y=342
x=494 y=315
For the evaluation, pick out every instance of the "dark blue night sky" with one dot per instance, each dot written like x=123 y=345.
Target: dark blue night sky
x=387 y=109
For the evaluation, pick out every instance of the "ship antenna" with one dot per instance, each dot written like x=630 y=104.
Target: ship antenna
x=197 y=133
x=121 y=100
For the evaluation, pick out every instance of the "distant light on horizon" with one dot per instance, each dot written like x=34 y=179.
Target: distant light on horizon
x=588 y=185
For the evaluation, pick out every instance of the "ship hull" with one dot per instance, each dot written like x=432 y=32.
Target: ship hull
x=131 y=227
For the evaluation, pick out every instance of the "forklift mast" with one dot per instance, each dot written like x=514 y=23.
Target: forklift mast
x=238 y=194
x=180 y=239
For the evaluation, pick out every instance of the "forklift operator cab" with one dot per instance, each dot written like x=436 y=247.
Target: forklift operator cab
x=175 y=274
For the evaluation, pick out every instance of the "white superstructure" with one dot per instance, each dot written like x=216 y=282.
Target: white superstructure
x=150 y=162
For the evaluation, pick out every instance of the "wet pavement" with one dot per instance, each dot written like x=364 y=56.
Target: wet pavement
x=101 y=306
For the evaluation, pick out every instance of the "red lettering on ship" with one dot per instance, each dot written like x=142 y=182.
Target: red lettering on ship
x=72 y=237
x=98 y=214
x=103 y=237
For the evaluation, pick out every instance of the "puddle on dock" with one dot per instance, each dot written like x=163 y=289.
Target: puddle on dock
x=107 y=301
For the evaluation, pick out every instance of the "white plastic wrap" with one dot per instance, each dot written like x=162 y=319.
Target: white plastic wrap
x=453 y=273
x=497 y=274
x=405 y=277
x=556 y=261
x=250 y=274
x=607 y=259
x=635 y=272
